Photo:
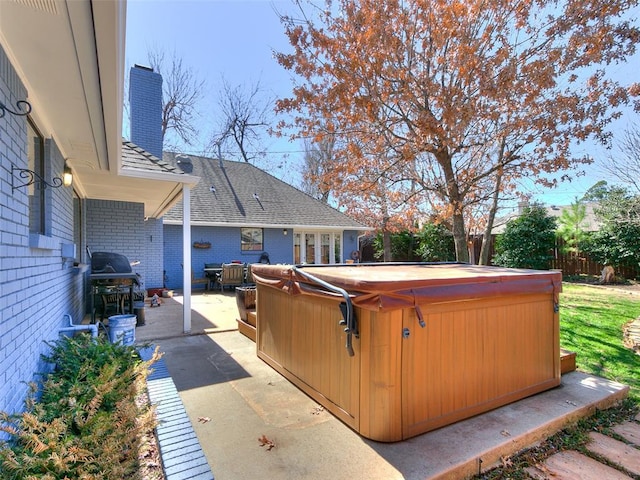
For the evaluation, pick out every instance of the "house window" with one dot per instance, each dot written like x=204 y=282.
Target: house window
x=317 y=247
x=36 y=191
x=325 y=248
x=251 y=239
x=78 y=222
x=297 y=253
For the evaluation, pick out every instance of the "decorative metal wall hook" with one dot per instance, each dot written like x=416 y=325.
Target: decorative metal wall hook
x=24 y=108
x=29 y=177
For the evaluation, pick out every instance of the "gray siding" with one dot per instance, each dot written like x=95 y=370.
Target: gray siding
x=225 y=247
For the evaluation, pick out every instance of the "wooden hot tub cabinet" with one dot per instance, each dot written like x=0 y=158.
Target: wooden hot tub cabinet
x=435 y=343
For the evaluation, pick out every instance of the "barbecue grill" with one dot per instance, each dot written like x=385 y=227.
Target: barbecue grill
x=111 y=274
x=108 y=262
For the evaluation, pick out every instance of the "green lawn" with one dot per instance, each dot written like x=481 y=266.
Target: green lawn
x=591 y=324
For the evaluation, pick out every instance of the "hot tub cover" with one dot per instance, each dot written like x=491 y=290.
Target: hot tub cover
x=390 y=286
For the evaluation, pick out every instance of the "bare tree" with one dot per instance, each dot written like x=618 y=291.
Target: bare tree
x=625 y=165
x=245 y=117
x=181 y=92
x=318 y=156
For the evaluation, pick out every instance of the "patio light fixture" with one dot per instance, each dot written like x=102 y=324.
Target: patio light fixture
x=29 y=177
x=67 y=176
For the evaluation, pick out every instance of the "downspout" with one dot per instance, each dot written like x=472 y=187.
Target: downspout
x=93 y=327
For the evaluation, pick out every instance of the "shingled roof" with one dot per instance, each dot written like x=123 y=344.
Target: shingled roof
x=240 y=194
x=137 y=158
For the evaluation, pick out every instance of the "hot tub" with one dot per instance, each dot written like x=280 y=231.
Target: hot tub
x=396 y=350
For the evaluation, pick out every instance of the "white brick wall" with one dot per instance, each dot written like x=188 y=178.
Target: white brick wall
x=35 y=288
x=120 y=227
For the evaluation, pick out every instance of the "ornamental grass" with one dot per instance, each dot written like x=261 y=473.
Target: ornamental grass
x=89 y=419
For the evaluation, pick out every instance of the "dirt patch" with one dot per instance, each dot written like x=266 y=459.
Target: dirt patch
x=620 y=286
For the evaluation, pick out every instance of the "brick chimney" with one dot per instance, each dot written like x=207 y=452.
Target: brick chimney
x=145 y=103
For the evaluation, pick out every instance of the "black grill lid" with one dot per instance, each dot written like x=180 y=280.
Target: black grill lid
x=108 y=262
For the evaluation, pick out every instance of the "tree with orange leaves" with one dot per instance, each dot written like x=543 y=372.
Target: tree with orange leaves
x=438 y=104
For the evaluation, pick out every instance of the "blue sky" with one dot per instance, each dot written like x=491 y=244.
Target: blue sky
x=235 y=39
x=215 y=38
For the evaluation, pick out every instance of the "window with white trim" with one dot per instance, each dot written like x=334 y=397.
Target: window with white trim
x=317 y=247
x=251 y=239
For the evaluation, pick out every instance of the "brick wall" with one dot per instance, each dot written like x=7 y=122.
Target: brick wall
x=36 y=287
x=118 y=227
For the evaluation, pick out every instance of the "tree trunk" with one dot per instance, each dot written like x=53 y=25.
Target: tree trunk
x=455 y=200
x=486 y=237
x=460 y=238
x=386 y=244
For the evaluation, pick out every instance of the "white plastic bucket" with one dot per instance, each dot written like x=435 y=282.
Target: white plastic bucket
x=122 y=329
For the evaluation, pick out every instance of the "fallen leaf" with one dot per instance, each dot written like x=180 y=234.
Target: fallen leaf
x=505 y=433
x=204 y=419
x=265 y=442
x=543 y=468
x=317 y=410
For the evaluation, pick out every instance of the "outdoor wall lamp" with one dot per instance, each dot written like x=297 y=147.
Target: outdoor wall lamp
x=67 y=176
x=29 y=177
x=285 y=231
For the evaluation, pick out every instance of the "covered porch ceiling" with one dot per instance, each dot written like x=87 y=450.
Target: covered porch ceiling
x=70 y=56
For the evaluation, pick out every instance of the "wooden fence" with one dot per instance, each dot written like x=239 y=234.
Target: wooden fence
x=569 y=264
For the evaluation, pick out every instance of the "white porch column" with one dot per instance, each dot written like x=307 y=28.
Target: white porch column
x=186 y=258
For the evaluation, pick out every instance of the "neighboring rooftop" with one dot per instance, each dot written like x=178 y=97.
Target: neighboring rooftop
x=239 y=193
x=590 y=223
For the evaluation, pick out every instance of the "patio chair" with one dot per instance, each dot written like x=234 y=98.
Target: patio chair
x=211 y=271
x=112 y=304
x=232 y=275
x=199 y=281
x=249 y=276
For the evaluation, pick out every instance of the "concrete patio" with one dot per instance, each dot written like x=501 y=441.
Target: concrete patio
x=253 y=423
